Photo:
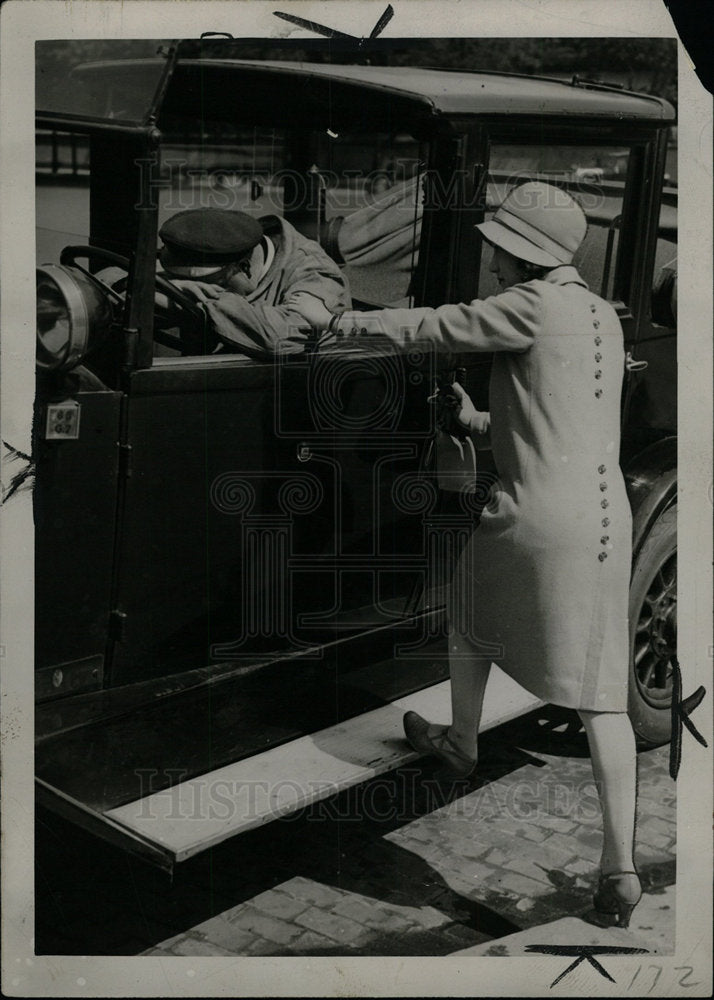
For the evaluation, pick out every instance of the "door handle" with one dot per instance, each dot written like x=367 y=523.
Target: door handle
x=634 y=366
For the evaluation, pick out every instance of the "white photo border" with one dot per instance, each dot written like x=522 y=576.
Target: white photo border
x=26 y=974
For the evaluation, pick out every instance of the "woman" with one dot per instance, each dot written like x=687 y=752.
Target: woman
x=542 y=586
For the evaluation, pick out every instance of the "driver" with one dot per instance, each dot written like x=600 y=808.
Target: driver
x=260 y=281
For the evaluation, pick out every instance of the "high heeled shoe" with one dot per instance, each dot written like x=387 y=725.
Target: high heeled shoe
x=616 y=897
x=416 y=729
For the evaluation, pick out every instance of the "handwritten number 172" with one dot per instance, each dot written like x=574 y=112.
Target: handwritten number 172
x=684 y=979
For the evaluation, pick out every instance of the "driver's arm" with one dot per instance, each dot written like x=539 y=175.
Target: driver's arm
x=310 y=290
x=201 y=291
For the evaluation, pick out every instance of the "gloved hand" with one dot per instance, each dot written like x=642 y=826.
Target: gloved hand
x=473 y=420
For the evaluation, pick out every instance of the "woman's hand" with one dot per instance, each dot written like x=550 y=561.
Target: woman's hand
x=465 y=409
x=475 y=421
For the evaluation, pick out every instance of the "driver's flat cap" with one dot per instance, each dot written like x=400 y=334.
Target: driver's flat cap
x=209 y=236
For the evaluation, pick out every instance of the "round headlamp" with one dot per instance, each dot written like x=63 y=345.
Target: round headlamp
x=72 y=316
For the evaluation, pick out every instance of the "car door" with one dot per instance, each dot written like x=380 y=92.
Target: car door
x=215 y=505
x=349 y=435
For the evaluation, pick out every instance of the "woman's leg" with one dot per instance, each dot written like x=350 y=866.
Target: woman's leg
x=469 y=674
x=470 y=659
x=612 y=749
x=456 y=744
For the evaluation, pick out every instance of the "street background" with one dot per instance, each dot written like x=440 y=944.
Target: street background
x=402 y=865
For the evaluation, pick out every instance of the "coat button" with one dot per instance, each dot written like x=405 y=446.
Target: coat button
x=605 y=539
x=605 y=522
x=601 y=469
x=596 y=323
x=598 y=357
x=604 y=503
x=602 y=556
x=598 y=341
x=353 y=331
x=598 y=393
x=593 y=307
x=363 y=331
x=603 y=487
x=598 y=373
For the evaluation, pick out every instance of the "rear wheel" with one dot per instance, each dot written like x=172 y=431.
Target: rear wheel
x=653 y=631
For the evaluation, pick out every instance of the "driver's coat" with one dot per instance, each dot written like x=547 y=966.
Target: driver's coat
x=301 y=289
x=542 y=586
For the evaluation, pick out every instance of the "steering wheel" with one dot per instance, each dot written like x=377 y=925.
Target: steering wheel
x=190 y=319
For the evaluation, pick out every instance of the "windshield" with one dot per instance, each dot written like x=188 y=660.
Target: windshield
x=82 y=78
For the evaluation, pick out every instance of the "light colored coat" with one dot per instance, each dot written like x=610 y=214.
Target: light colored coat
x=542 y=586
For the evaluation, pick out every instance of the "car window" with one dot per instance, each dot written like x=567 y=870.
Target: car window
x=594 y=175
x=366 y=184
x=358 y=194
x=207 y=164
x=374 y=184
x=90 y=77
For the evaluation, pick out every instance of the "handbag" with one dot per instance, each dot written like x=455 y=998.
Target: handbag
x=451 y=453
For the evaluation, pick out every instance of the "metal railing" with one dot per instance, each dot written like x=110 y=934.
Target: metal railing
x=61 y=154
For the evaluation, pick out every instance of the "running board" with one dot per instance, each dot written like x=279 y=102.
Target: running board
x=199 y=813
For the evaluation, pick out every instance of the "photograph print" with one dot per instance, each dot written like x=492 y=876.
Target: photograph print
x=353 y=483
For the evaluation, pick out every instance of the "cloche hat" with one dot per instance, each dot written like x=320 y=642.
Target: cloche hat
x=539 y=223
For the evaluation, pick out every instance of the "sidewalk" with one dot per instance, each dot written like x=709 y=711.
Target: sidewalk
x=650 y=928
x=406 y=866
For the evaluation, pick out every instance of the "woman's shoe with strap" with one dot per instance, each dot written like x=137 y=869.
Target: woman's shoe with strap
x=616 y=897
x=440 y=745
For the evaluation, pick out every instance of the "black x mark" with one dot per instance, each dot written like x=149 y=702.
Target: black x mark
x=583 y=953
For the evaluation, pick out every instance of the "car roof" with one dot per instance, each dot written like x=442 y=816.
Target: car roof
x=438 y=91
x=462 y=92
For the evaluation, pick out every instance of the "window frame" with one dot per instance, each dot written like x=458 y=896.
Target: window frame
x=636 y=244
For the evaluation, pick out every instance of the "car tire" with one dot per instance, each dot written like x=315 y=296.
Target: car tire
x=653 y=632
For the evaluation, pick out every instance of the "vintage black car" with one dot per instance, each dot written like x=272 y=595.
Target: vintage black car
x=240 y=561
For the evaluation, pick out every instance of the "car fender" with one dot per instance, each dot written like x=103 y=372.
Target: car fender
x=651 y=481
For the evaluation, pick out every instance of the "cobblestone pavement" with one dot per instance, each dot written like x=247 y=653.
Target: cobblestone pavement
x=401 y=865
x=408 y=865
